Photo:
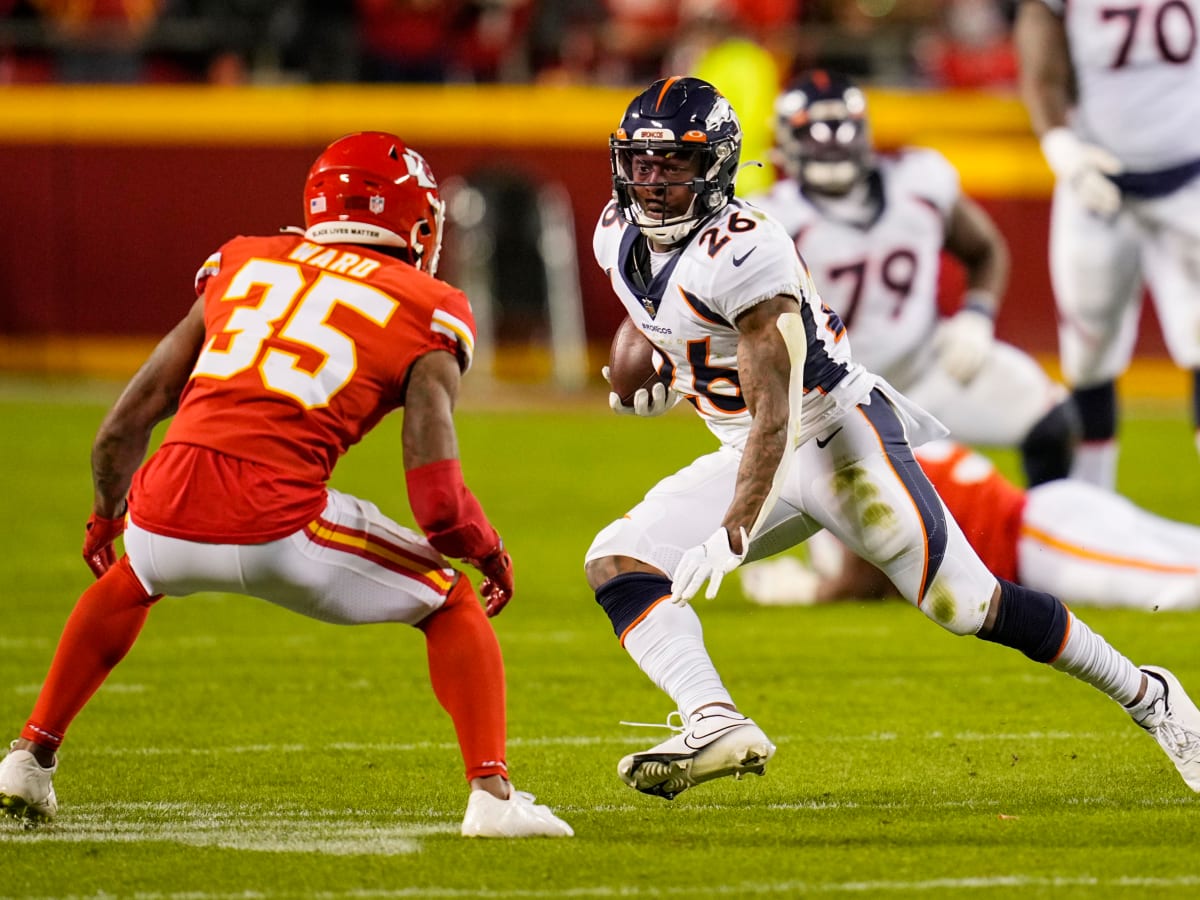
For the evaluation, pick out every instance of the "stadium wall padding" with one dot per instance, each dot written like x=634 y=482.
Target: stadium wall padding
x=115 y=195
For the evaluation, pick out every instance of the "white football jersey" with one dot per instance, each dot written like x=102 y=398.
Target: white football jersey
x=1137 y=68
x=734 y=260
x=880 y=274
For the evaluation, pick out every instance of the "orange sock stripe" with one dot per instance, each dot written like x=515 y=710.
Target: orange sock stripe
x=634 y=624
x=1066 y=635
x=1110 y=559
x=383 y=553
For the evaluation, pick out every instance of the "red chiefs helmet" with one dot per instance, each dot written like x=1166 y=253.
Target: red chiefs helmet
x=369 y=188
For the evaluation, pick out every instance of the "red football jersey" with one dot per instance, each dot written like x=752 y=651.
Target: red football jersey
x=986 y=506
x=307 y=346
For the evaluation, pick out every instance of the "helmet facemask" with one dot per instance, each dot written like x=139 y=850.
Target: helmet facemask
x=824 y=142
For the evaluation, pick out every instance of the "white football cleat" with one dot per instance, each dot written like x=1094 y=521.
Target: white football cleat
x=26 y=788
x=1174 y=721
x=712 y=745
x=516 y=817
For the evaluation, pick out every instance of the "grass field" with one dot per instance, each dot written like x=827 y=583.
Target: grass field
x=243 y=752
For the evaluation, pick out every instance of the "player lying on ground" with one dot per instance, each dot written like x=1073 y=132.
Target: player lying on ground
x=809 y=439
x=1085 y=544
x=297 y=346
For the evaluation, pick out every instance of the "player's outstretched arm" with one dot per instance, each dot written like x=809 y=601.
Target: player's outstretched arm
x=1047 y=86
x=764 y=370
x=151 y=396
x=120 y=446
x=448 y=513
x=1045 y=80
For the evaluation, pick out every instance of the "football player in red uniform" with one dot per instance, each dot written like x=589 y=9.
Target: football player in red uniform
x=297 y=345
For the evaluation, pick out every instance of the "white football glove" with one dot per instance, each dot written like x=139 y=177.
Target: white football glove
x=963 y=341
x=646 y=402
x=710 y=561
x=1085 y=168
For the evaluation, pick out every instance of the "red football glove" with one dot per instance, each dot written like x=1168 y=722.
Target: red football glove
x=98 y=551
x=497 y=586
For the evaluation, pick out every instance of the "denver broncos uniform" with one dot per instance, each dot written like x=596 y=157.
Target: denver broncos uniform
x=880 y=273
x=1137 y=72
x=687 y=309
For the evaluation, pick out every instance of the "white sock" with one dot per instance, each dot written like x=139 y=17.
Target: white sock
x=1146 y=709
x=668 y=645
x=1096 y=463
x=1091 y=658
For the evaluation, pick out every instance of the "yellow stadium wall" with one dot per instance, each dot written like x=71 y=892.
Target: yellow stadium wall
x=113 y=196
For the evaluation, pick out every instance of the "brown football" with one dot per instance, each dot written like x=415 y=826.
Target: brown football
x=630 y=362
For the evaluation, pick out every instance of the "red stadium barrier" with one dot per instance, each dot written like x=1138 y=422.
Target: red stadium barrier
x=114 y=196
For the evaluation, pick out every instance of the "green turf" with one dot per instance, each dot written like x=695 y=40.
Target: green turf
x=244 y=752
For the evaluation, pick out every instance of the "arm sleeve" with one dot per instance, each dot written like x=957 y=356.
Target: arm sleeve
x=448 y=513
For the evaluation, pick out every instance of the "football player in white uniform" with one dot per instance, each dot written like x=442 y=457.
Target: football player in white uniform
x=873 y=228
x=1113 y=92
x=808 y=439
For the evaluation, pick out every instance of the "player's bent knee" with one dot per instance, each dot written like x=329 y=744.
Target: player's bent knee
x=626 y=598
x=1030 y=621
x=962 y=619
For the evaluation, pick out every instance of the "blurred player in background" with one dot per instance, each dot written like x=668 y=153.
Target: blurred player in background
x=1088 y=545
x=809 y=439
x=873 y=229
x=297 y=346
x=1113 y=92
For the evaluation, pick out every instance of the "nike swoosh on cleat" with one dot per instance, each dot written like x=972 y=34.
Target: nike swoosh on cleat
x=738 y=260
x=825 y=443
x=710 y=736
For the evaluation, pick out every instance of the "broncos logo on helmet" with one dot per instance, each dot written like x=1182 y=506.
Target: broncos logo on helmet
x=673 y=117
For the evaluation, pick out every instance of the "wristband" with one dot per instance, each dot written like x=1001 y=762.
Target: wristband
x=981 y=301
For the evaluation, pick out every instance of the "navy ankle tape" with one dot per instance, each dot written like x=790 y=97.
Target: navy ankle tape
x=627 y=596
x=1030 y=621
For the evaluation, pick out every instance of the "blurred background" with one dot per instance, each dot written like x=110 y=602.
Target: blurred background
x=138 y=135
